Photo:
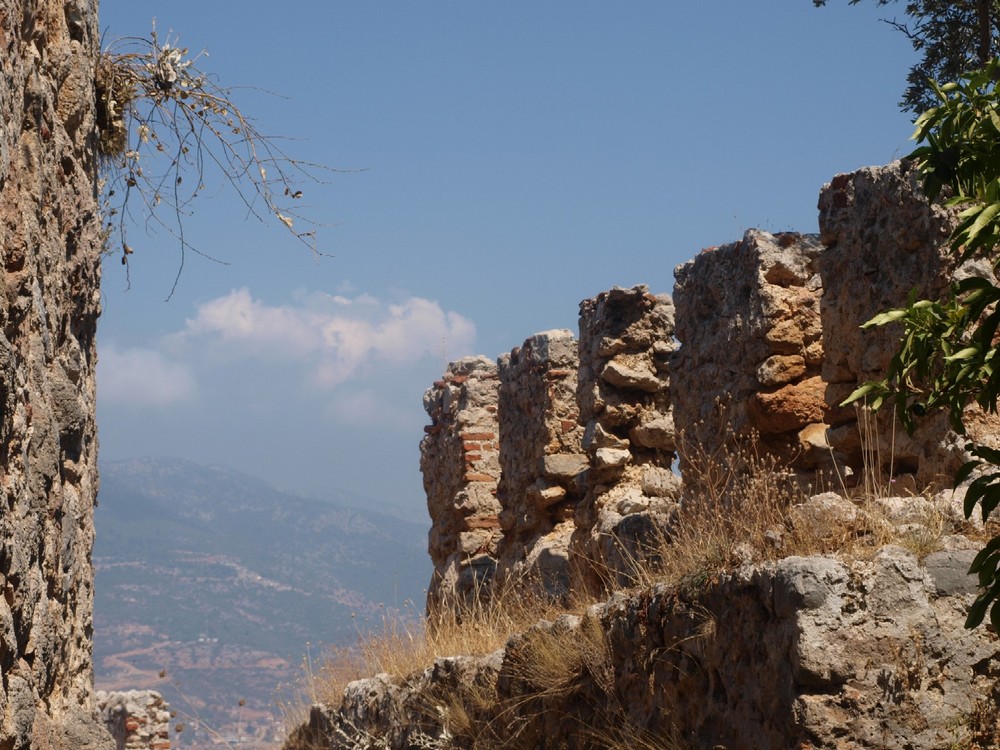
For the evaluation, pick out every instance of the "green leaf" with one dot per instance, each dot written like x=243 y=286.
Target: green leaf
x=990 y=454
x=889 y=316
x=983 y=220
x=966 y=353
x=978 y=609
x=991 y=547
x=965 y=472
x=861 y=392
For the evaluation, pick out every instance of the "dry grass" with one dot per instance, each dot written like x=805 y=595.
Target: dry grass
x=402 y=646
x=741 y=506
x=552 y=658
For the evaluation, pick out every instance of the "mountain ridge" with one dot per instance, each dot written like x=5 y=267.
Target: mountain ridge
x=225 y=583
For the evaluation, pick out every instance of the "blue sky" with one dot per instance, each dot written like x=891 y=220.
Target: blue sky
x=502 y=162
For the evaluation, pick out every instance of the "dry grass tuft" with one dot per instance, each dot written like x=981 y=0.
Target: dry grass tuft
x=400 y=647
x=553 y=658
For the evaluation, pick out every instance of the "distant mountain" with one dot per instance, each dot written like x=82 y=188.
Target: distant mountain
x=224 y=582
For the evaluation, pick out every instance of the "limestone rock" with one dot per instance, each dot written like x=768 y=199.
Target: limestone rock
x=848 y=652
x=459 y=458
x=626 y=346
x=748 y=319
x=543 y=466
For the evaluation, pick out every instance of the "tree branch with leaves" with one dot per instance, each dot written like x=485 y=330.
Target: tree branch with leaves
x=952 y=36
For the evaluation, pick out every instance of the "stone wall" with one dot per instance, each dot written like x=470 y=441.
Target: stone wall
x=137 y=719
x=808 y=652
x=459 y=458
x=748 y=320
x=50 y=235
x=883 y=239
x=626 y=342
x=768 y=342
x=542 y=465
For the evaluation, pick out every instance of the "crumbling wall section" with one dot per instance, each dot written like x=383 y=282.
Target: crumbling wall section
x=884 y=240
x=751 y=354
x=626 y=342
x=50 y=240
x=803 y=652
x=137 y=719
x=460 y=461
x=543 y=468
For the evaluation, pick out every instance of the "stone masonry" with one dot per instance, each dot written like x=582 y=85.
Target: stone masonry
x=806 y=652
x=459 y=458
x=882 y=239
x=626 y=341
x=770 y=338
x=543 y=468
x=50 y=240
x=748 y=319
x=137 y=719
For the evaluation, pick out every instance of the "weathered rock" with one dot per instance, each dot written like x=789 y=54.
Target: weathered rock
x=50 y=241
x=626 y=342
x=860 y=655
x=136 y=719
x=542 y=463
x=459 y=458
x=748 y=319
x=790 y=408
x=884 y=240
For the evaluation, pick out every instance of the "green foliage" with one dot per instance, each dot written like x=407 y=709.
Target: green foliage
x=951 y=36
x=946 y=357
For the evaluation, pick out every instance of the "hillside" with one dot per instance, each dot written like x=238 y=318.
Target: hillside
x=225 y=583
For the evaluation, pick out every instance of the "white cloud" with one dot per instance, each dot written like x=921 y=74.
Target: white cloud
x=336 y=337
x=141 y=377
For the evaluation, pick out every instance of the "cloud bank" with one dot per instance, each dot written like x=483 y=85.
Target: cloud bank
x=337 y=338
x=331 y=339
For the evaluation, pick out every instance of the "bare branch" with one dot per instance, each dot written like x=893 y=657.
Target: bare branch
x=165 y=127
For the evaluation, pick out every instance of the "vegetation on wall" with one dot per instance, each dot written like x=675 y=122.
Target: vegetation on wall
x=166 y=127
x=946 y=358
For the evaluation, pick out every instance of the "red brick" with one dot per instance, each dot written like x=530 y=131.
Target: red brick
x=567 y=425
x=478 y=436
x=472 y=476
x=470 y=446
x=553 y=374
x=481 y=522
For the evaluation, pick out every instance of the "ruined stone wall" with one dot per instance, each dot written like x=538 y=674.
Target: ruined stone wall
x=626 y=342
x=768 y=341
x=542 y=465
x=50 y=237
x=807 y=652
x=883 y=239
x=748 y=320
x=137 y=719
x=459 y=458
